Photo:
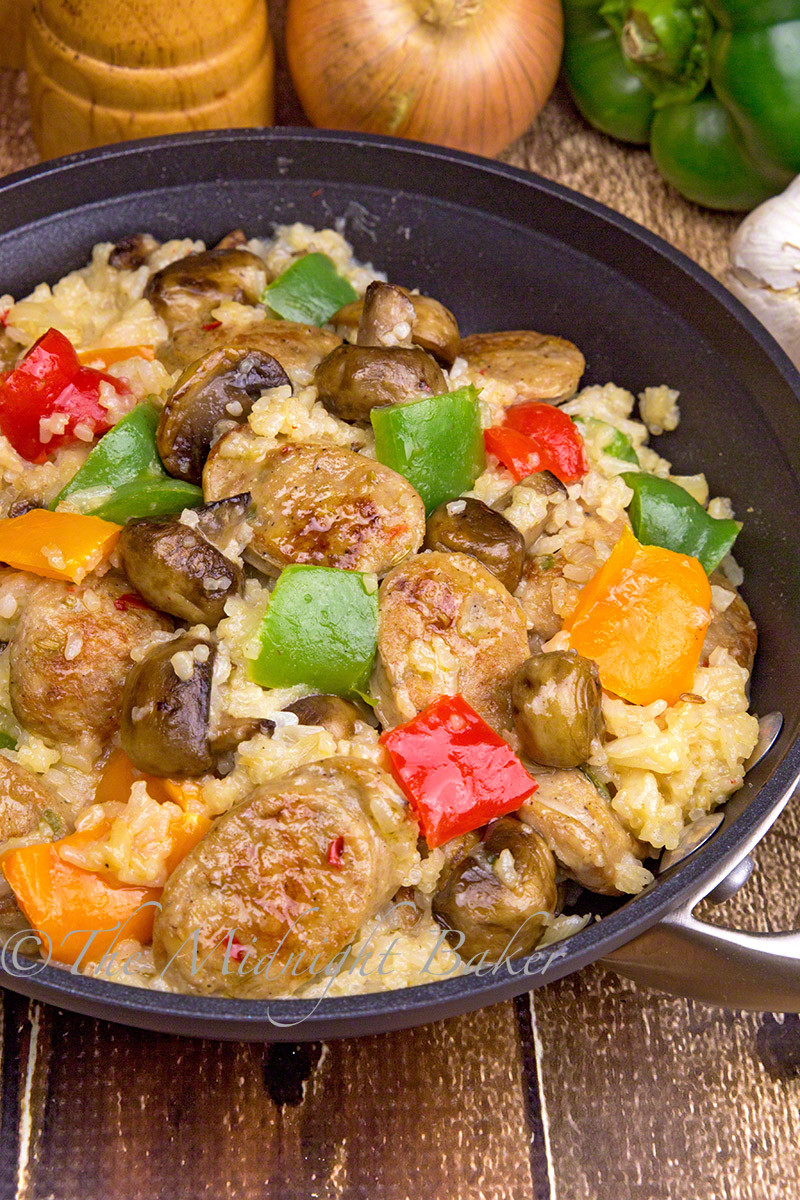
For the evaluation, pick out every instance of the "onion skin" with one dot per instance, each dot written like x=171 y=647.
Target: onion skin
x=469 y=74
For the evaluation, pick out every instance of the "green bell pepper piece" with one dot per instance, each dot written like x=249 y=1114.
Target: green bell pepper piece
x=320 y=629
x=123 y=476
x=664 y=43
x=7 y=742
x=699 y=149
x=755 y=70
x=664 y=514
x=608 y=94
x=436 y=443
x=310 y=290
x=723 y=79
x=616 y=444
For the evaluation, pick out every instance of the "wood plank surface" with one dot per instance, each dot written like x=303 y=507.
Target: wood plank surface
x=664 y=1099
x=113 y=1113
x=595 y=1091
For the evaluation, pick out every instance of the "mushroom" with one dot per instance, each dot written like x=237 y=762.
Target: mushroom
x=340 y=717
x=175 y=567
x=353 y=380
x=555 y=699
x=232 y=240
x=469 y=526
x=132 y=252
x=221 y=386
x=587 y=837
x=434 y=328
x=499 y=893
x=387 y=316
x=165 y=709
x=26 y=801
x=731 y=625
x=186 y=291
x=528 y=505
x=167 y=728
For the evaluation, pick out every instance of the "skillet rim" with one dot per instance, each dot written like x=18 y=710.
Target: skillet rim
x=376 y=1012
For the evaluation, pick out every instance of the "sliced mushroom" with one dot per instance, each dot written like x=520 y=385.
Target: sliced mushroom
x=500 y=894
x=435 y=328
x=340 y=717
x=732 y=628
x=353 y=380
x=224 y=522
x=542 y=578
x=165 y=709
x=585 y=834
x=469 y=526
x=132 y=252
x=232 y=240
x=185 y=292
x=221 y=386
x=25 y=504
x=556 y=705
x=335 y=508
x=168 y=728
x=176 y=569
x=26 y=802
x=387 y=316
x=528 y=505
x=532 y=366
x=229 y=732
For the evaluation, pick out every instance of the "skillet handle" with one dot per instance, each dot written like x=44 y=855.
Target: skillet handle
x=758 y=972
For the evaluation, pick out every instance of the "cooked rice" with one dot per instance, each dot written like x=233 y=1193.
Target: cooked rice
x=667 y=764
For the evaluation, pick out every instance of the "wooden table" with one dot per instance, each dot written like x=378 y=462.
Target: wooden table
x=588 y=1090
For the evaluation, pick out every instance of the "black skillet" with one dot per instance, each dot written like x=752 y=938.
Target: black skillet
x=505 y=250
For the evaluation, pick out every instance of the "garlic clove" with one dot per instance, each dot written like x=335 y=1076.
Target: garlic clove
x=766 y=246
x=778 y=311
x=764 y=267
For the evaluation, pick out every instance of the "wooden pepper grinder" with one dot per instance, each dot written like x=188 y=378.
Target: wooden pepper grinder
x=14 y=16
x=105 y=70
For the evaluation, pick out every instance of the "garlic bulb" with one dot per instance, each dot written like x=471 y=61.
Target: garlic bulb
x=764 y=270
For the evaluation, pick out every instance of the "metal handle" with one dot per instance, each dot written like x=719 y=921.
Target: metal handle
x=727 y=967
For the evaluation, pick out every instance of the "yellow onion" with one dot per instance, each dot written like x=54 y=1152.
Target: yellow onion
x=471 y=74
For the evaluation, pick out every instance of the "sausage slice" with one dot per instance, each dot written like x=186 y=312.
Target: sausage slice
x=293 y=871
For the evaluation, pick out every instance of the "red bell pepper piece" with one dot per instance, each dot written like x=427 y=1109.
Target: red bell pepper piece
x=518 y=453
x=538 y=437
x=457 y=773
x=50 y=381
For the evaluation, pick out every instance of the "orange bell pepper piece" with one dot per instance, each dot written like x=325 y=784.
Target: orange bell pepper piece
x=119 y=776
x=102 y=359
x=643 y=618
x=65 y=903
x=57 y=545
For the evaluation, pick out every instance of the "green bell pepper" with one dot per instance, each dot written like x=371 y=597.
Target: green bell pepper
x=310 y=290
x=7 y=741
x=320 y=629
x=664 y=514
x=436 y=443
x=123 y=476
x=713 y=86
